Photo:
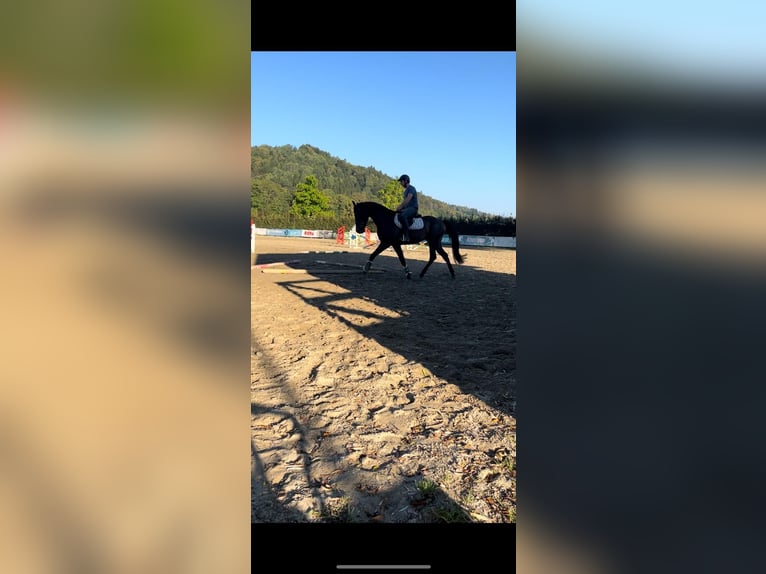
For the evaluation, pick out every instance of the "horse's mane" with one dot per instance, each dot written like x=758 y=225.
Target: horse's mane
x=374 y=205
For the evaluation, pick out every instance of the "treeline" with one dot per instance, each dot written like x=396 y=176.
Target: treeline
x=307 y=188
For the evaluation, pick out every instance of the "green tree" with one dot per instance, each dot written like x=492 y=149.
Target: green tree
x=268 y=197
x=276 y=171
x=308 y=201
x=391 y=195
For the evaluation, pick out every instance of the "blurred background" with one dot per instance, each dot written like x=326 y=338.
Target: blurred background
x=641 y=196
x=124 y=380
x=124 y=224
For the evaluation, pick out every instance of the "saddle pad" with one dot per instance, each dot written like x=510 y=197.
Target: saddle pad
x=417 y=222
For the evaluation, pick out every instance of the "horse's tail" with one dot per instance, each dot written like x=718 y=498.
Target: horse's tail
x=450 y=229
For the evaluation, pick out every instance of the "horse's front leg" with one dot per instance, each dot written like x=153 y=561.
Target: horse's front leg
x=373 y=255
x=398 y=248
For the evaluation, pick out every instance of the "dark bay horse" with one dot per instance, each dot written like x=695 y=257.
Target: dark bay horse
x=391 y=236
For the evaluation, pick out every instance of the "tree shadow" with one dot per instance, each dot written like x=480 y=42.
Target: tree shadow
x=412 y=499
x=267 y=500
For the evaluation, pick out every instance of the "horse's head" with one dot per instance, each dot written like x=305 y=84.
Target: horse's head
x=360 y=217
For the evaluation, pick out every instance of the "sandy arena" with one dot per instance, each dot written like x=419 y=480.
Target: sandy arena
x=381 y=399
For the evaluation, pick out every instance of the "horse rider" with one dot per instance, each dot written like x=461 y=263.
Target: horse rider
x=408 y=208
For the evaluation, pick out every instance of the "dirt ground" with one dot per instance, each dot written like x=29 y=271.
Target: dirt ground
x=381 y=399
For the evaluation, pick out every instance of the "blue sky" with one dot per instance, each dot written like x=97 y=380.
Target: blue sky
x=447 y=119
x=698 y=40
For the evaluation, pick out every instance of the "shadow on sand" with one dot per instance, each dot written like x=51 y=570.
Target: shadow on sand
x=461 y=330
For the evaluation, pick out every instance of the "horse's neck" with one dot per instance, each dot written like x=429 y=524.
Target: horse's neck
x=380 y=213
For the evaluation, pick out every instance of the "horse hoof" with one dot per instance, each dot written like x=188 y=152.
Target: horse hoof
x=409 y=275
x=367 y=267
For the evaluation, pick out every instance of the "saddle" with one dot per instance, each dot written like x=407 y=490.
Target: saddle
x=417 y=222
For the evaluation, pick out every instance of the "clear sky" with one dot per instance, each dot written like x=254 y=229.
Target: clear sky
x=446 y=119
x=698 y=40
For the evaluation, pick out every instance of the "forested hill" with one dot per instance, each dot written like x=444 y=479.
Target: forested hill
x=279 y=173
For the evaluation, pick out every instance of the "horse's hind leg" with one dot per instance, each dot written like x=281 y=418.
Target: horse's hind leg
x=431 y=258
x=444 y=255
